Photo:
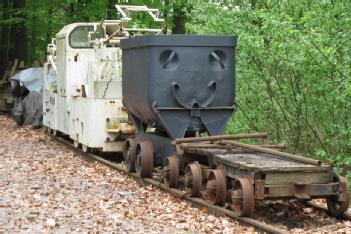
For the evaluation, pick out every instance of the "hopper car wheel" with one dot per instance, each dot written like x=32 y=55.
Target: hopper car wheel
x=76 y=144
x=243 y=199
x=338 y=204
x=171 y=171
x=216 y=184
x=85 y=148
x=193 y=179
x=144 y=161
x=129 y=154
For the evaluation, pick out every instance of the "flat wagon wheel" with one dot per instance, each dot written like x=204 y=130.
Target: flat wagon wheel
x=144 y=162
x=129 y=154
x=243 y=199
x=216 y=184
x=338 y=204
x=171 y=171
x=193 y=179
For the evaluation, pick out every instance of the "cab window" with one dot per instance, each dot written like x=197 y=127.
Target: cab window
x=79 y=37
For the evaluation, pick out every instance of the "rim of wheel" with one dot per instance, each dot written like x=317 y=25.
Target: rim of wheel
x=336 y=206
x=129 y=149
x=193 y=179
x=144 y=162
x=217 y=185
x=171 y=171
x=243 y=200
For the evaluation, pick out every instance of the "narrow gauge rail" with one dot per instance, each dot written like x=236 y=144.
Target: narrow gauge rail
x=217 y=210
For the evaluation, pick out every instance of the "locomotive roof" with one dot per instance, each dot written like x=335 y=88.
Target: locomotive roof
x=65 y=31
x=179 y=40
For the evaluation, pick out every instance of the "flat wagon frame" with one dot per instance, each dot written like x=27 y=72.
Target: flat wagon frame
x=245 y=173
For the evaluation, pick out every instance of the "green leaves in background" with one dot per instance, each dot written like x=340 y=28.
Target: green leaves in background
x=293 y=71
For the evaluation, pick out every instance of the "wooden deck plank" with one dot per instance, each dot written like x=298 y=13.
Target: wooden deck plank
x=258 y=161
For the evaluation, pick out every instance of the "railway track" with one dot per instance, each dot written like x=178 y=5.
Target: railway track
x=198 y=202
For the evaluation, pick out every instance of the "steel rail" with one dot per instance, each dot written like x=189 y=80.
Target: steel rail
x=259 y=226
x=223 y=146
x=346 y=215
x=220 y=137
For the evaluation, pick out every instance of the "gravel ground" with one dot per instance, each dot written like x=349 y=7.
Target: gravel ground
x=44 y=187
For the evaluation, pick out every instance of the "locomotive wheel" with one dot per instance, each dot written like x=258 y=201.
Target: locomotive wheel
x=171 y=171
x=54 y=133
x=144 y=161
x=193 y=179
x=243 y=200
x=49 y=131
x=129 y=154
x=338 y=204
x=85 y=148
x=76 y=144
x=46 y=130
x=216 y=184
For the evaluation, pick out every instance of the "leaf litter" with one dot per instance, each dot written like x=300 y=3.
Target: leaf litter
x=45 y=187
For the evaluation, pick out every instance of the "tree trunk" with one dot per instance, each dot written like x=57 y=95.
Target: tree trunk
x=20 y=31
x=33 y=40
x=49 y=30
x=111 y=10
x=178 y=19
x=5 y=38
x=165 y=16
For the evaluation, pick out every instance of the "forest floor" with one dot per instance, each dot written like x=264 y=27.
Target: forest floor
x=45 y=187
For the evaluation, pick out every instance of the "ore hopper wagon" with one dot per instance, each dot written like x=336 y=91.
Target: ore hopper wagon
x=179 y=90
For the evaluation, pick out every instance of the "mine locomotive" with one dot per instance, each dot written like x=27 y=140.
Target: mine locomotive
x=177 y=92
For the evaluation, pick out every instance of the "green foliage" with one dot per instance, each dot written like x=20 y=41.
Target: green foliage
x=44 y=19
x=293 y=71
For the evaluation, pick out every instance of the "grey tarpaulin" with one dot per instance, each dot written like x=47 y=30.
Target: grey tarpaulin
x=28 y=109
x=31 y=78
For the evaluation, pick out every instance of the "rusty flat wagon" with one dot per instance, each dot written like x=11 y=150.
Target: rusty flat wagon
x=244 y=173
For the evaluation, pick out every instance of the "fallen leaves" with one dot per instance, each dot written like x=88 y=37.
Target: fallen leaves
x=45 y=188
x=51 y=222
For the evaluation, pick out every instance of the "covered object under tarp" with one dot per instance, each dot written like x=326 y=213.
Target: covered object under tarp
x=27 y=87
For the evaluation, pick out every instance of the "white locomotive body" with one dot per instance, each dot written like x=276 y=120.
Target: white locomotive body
x=86 y=103
x=83 y=82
